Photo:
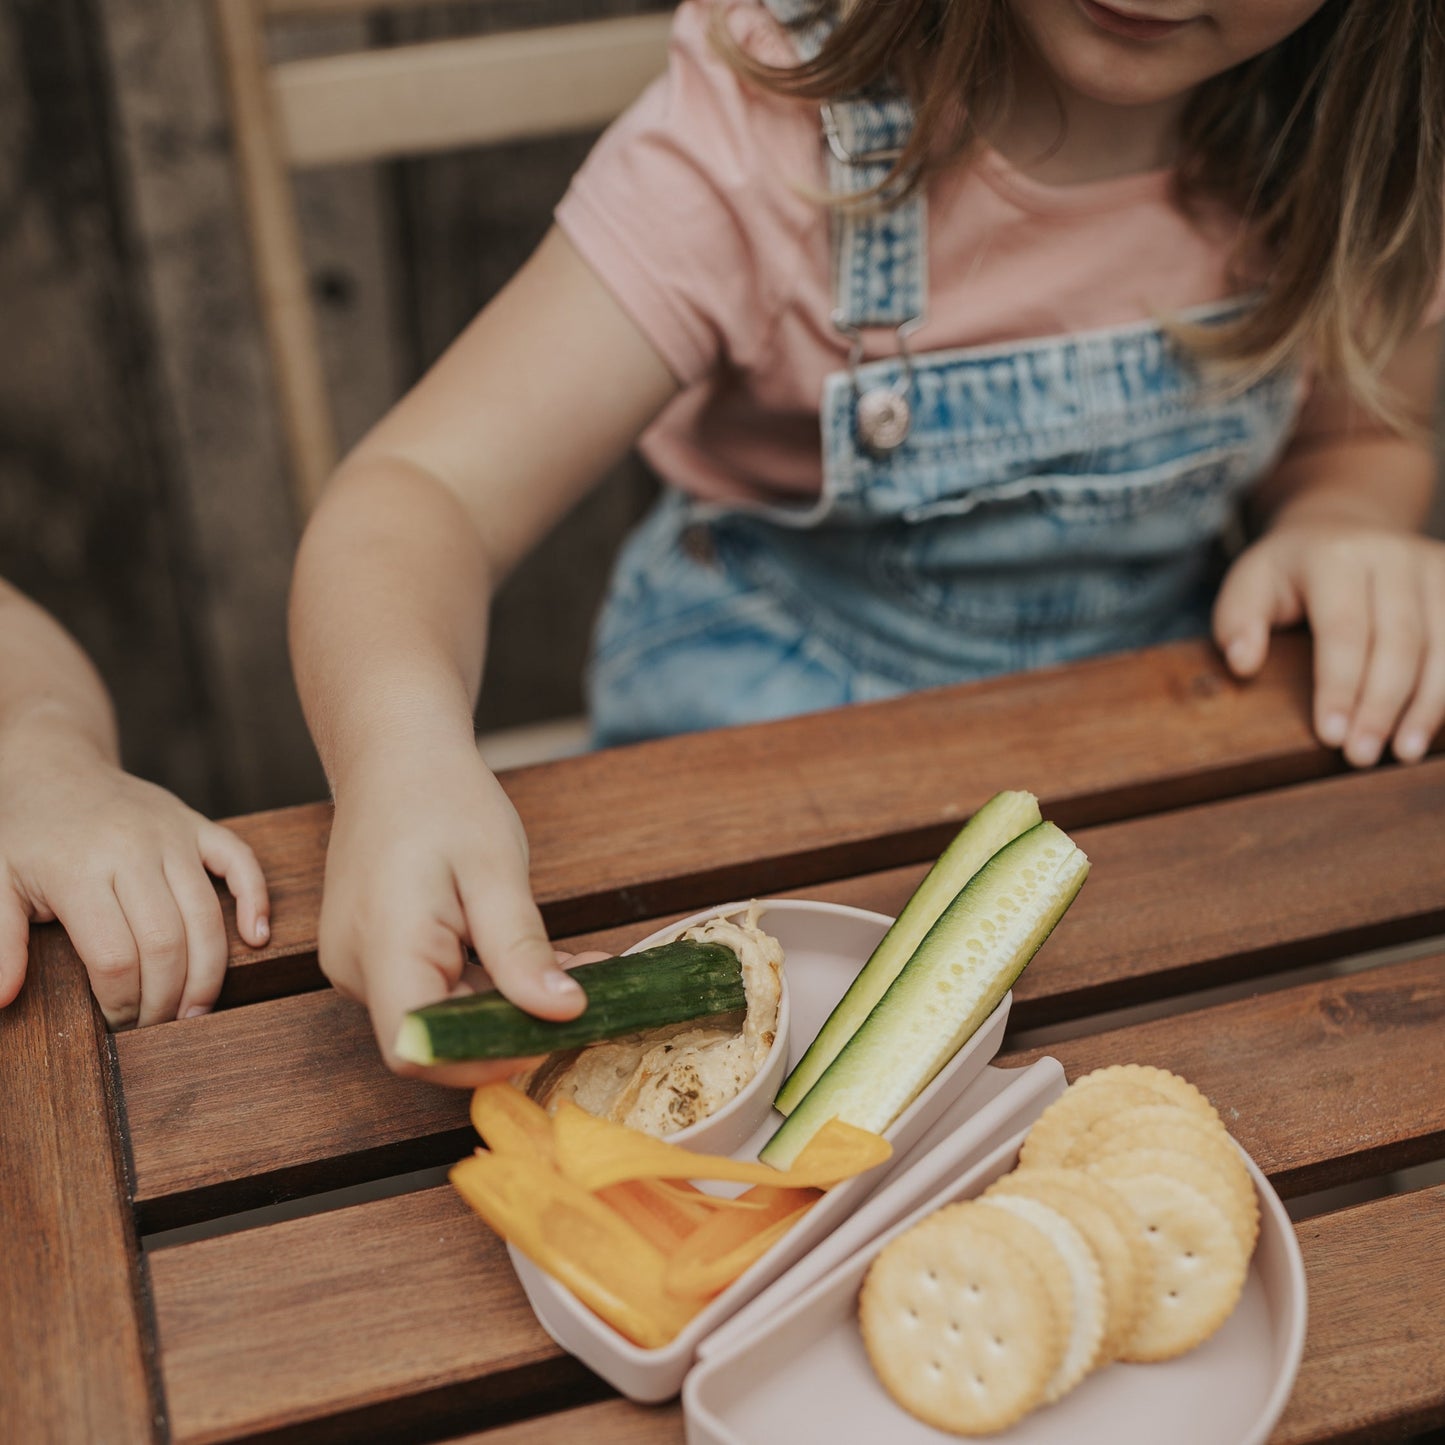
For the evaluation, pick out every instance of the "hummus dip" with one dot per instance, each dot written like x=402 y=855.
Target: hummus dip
x=666 y=1079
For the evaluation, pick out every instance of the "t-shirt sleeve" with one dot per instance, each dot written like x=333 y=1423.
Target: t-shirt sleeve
x=691 y=207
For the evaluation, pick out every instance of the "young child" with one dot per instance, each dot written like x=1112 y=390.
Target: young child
x=1108 y=273
x=120 y=862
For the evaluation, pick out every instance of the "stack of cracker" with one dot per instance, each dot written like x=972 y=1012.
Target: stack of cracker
x=1125 y=1233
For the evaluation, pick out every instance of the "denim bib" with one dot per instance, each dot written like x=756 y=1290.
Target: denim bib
x=1048 y=500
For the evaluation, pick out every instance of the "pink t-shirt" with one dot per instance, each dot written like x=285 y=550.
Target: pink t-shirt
x=698 y=210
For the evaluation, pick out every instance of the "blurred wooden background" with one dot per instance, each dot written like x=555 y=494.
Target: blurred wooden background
x=142 y=484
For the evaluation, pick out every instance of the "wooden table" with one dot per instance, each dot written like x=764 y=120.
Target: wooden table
x=1227 y=847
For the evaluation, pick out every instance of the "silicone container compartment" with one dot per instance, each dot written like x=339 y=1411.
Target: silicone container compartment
x=825 y=945
x=801 y=1371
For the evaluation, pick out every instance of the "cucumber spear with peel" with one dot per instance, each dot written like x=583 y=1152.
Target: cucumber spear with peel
x=953 y=980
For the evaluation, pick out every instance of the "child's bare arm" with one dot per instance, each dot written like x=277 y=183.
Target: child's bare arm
x=389 y=613
x=1342 y=547
x=120 y=862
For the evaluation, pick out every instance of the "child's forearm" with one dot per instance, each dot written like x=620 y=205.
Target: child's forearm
x=388 y=615
x=47 y=682
x=1377 y=480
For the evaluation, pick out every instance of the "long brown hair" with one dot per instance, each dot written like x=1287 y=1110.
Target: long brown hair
x=1330 y=146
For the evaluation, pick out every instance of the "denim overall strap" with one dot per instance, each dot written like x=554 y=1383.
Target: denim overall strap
x=880 y=253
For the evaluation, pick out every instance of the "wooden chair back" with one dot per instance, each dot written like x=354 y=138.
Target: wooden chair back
x=408 y=100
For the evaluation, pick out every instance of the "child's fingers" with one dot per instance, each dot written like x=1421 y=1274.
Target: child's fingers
x=1397 y=648
x=1338 y=601
x=412 y=982
x=160 y=937
x=572 y=960
x=101 y=936
x=506 y=931
x=1426 y=711
x=207 y=951
x=225 y=855
x=14 y=943
x=1252 y=598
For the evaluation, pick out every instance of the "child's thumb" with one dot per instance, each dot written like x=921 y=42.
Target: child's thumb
x=1244 y=611
x=14 y=943
x=509 y=937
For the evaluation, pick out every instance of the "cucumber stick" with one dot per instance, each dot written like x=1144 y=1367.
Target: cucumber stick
x=669 y=984
x=997 y=823
x=966 y=963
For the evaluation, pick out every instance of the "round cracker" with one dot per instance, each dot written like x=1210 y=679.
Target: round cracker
x=1170 y=1087
x=1090 y=1305
x=1112 y=1232
x=1199 y=1266
x=1157 y=1115
x=1242 y=1211
x=1183 y=1133
x=1073 y=1113
x=1047 y=1260
x=958 y=1322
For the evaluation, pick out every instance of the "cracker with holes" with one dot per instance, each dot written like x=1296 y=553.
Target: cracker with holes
x=1124 y=1233
x=1072 y=1115
x=959 y=1321
x=1241 y=1210
x=1086 y=1288
x=1199 y=1266
x=1111 y=1230
x=1217 y=1163
x=1170 y=1088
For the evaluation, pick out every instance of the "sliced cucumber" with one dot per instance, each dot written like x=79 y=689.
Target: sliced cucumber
x=1002 y=819
x=955 y=979
x=669 y=984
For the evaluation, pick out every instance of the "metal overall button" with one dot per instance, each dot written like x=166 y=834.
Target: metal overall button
x=882 y=415
x=884 y=420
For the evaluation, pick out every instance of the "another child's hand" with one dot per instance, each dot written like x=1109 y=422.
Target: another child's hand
x=122 y=864
x=1375 y=601
x=427 y=854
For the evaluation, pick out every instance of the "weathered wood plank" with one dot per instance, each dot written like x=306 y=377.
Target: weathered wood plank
x=335 y=1328
x=215 y=398
x=1235 y=889
x=1097 y=741
x=1322 y=1083
x=255 y=1103
x=87 y=522
x=466 y=222
x=270 y=1102
x=72 y=1307
x=1373 y=1367
x=470 y=91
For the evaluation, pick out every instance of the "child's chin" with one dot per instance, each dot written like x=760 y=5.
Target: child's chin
x=1110 y=69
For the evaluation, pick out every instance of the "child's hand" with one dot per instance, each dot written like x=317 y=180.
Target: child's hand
x=122 y=864
x=1375 y=600
x=428 y=854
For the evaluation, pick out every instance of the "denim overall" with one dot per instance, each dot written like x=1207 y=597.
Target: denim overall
x=1051 y=499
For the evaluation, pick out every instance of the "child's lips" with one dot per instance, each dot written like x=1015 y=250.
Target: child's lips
x=1132 y=27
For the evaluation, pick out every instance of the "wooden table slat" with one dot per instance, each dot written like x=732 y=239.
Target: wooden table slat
x=1323 y=1084
x=251 y=1104
x=1370 y=1370
x=71 y=1303
x=1099 y=740
x=237 y=1314
x=339 y=1317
